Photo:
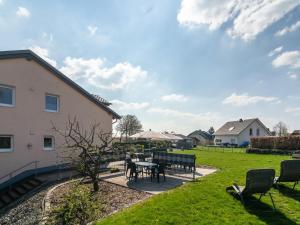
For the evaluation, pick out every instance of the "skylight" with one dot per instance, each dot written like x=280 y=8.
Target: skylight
x=231 y=128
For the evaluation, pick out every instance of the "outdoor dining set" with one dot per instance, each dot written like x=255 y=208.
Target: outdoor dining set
x=157 y=165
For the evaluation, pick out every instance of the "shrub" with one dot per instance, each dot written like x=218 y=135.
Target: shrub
x=79 y=207
x=282 y=143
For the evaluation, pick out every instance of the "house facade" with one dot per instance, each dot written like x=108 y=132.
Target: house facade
x=34 y=96
x=240 y=132
x=201 y=137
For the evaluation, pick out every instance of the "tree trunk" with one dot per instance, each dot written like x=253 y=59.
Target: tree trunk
x=95 y=185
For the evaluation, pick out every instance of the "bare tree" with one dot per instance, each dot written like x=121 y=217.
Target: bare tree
x=86 y=148
x=281 y=129
x=211 y=130
x=129 y=125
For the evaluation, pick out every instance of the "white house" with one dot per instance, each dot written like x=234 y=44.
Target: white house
x=240 y=132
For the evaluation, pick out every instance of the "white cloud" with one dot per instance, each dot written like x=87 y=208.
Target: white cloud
x=47 y=36
x=23 y=12
x=195 y=117
x=174 y=98
x=291 y=59
x=292 y=109
x=245 y=99
x=92 y=29
x=289 y=29
x=44 y=54
x=121 y=105
x=249 y=18
x=293 y=76
x=94 y=72
x=275 y=51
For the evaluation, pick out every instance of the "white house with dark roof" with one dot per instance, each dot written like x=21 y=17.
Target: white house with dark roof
x=240 y=132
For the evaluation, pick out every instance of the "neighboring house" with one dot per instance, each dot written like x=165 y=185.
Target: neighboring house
x=240 y=132
x=33 y=95
x=296 y=133
x=201 y=137
x=184 y=143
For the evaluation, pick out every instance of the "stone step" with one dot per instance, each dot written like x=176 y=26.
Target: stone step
x=13 y=194
x=6 y=198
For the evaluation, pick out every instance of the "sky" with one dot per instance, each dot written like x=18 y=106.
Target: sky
x=178 y=65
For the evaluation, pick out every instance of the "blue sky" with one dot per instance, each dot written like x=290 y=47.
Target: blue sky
x=177 y=65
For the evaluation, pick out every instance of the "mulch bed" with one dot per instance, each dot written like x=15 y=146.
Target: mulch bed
x=111 y=196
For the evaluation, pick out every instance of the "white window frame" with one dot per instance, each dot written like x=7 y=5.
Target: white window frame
x=13 y=96
x=53 y=143
x=11 y=143
x=58 y=103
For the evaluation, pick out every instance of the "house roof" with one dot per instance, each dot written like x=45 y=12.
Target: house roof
x=236 y=127
x=29 y=55
x=296 y=132
x=102 y=100
x=202 y=133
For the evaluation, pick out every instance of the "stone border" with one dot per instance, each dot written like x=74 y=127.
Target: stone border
x=46 y=205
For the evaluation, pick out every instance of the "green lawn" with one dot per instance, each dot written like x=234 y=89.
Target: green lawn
x=205 y=201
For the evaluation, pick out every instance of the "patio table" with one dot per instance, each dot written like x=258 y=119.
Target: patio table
x=146 y=164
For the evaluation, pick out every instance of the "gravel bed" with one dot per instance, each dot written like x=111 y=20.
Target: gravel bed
x=112 y=197
x=29 y=212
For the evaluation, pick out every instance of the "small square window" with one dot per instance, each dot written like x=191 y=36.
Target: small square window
x=6 y=143
x=51 y=103
x=6 y=96
x=48 y=143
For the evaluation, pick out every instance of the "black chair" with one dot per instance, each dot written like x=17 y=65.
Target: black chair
x=127 y=162
x=134 y=171
x=289 y=172
x=156 y=171
x=258 y=181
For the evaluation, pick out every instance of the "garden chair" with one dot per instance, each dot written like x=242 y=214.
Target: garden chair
x=160 y=169
x=289 y=172
x=258 y=181
x=134 y=171
x=127 y=162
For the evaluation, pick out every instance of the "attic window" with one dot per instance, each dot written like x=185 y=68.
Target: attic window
x=231 y=128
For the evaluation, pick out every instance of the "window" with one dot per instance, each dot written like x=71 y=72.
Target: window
x=7 y=96
x=51 y=103
x=6 y=143
x=250 y=132
x=48 y=143
x=257 y=132
x=218 y=140
x=232 y=140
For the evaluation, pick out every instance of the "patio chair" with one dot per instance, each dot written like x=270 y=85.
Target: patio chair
x=258 y=181
x=160 y=169
x=134 y=171
x=127 y=162
x=289 y=172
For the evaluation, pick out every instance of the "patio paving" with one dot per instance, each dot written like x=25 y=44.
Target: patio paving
x=173 y=179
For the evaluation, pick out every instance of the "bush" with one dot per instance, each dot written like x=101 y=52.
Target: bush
x=79 y=207
x=282 y=143
x=270 y=151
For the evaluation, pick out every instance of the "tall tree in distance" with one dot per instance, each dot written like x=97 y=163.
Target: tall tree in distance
x=128 y=125
x=281 y=129
x=211 y=130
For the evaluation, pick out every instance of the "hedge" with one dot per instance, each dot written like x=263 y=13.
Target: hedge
x=282 y=143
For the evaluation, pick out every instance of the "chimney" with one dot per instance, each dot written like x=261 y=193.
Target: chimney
x=241 y=120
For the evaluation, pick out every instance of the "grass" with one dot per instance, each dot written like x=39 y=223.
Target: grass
x=205 y=201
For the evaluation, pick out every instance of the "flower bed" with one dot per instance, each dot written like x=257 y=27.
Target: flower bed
x=111 y=197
